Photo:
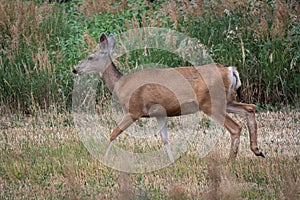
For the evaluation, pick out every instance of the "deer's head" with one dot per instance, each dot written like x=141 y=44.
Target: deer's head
x=98 y=61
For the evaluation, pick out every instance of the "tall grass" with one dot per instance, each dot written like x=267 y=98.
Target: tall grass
x=261 y=38
x=40 y=42
x=29 y=34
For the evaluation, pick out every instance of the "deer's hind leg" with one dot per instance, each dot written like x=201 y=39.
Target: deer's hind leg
x=235 y=133
x=249 y=111
x=234 y=129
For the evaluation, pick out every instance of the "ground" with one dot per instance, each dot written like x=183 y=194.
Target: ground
x=42 y=156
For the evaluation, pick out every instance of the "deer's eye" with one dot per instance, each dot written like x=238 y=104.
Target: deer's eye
x=90 y=58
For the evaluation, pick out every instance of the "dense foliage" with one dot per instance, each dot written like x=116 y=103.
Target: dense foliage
x=40 y=42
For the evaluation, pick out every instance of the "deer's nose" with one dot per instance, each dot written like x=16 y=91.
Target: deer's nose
x=75 y=71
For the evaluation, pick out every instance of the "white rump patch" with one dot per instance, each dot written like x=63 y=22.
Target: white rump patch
x=235 y=78
x=235 y=81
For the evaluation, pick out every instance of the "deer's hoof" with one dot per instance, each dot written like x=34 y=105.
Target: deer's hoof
x=261 y=154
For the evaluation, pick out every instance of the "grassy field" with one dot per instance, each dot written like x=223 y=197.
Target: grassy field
x=43 y=157
x=41 y=154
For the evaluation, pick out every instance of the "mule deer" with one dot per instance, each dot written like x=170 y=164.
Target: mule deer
x=168 y=92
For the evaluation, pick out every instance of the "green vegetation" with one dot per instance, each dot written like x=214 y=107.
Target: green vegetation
x=41 y=154
x=41 y=42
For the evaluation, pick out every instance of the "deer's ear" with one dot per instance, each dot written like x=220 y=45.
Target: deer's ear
x=103 y=43
x=111 y=42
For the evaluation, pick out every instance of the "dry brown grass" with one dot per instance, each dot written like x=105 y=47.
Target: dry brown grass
x=20 y=21
x=177 y=191
x=43 y=157
x=258 y=13
x=93 y=7
x=125 y=188
x=221 y=184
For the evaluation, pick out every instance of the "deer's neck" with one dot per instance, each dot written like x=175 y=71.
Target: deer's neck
x=111 y=76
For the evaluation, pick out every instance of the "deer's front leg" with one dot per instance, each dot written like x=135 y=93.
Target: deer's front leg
x=125 y=123
x=162 y=125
